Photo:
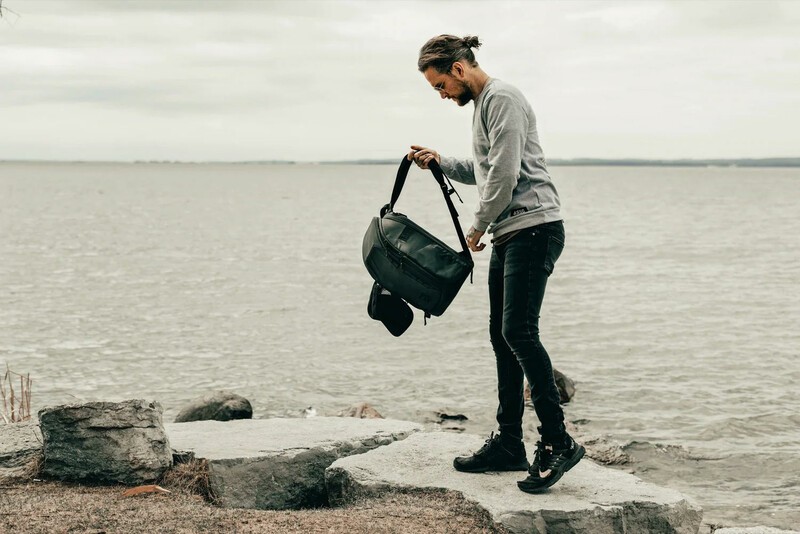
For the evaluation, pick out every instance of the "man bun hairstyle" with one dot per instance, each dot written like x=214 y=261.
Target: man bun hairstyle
x=442 y=51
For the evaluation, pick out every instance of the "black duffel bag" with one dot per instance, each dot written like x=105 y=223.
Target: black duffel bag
x=408 y=261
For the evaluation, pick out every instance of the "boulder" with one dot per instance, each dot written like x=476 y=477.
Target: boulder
x=105 y=442
x=20 y=448
x=565 y=385
x=589 y=498
x=216 y=406
x=362 y=410
x=275 y=464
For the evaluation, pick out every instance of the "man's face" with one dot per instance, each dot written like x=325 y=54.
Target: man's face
x=449 y=86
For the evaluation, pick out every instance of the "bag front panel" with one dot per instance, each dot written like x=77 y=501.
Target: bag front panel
x=424 y=272
x=415 y=287
x=425 y=249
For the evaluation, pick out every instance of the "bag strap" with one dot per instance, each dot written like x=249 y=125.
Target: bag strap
x=440 y=178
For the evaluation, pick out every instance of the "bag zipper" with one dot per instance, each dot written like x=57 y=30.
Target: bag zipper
x=409 y=265
x=412 y=224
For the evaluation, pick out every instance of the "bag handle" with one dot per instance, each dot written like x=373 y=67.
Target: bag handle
x=439 y=176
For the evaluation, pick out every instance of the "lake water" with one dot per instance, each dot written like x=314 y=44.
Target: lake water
x=675 y=306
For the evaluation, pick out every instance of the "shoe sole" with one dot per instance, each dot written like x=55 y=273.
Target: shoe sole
x=518 y=467
x=528 y=487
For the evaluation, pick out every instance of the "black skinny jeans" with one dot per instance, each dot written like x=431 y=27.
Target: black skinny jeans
x=518 y=272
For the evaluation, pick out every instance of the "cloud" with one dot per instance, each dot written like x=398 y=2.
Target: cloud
x=317 y=80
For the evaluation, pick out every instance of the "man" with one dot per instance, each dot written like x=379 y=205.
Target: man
x=519 y=206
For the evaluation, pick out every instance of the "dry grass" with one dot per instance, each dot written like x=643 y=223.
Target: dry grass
x=190 y=477
x=51 y=507
x=33 y=468
x=16 y=403
x=4 y=9
x=46 y=507
x=24 y=473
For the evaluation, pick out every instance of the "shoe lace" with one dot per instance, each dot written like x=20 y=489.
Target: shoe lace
x=489 y=444
x=541 y=458
x=558 y=457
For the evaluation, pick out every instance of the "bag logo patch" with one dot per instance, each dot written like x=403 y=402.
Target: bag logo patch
x=518 y=211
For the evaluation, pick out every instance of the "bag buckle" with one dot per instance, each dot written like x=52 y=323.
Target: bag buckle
x=450 y=190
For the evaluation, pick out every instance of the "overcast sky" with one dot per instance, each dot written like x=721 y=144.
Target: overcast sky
x=300 y=80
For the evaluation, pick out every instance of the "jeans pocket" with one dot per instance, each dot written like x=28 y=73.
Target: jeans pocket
x=555 y=245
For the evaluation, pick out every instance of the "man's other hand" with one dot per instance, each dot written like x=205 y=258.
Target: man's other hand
x=473 y=236
x=422 y=156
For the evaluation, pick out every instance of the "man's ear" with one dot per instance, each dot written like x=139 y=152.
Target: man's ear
x=457 y=70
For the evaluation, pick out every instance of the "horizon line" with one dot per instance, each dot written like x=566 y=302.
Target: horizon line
x=583 y=161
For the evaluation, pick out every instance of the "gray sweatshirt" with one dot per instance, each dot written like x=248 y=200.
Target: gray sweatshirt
x=515 y=189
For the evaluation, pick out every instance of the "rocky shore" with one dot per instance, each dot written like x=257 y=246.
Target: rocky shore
x=319 y=474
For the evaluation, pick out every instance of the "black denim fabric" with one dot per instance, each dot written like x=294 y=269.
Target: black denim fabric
x=518 y=272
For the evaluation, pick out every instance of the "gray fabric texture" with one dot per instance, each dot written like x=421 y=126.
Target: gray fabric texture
x=513 y=183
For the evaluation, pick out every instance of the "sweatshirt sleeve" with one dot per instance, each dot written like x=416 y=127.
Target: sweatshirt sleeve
x=507 y=127
x=460 y=170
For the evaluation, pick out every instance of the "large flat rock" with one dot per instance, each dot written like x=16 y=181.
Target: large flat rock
x=589 y=498
x=754 y=530
x=275 y=464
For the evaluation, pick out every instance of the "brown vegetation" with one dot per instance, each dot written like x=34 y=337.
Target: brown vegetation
x=32 y=506
x=52 y=507
x=16 y=404
x=190 y=477
x=2 y=8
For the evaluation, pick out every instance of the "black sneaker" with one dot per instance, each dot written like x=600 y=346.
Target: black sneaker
x=540 y=458
x=494 y=456
x=549 y=465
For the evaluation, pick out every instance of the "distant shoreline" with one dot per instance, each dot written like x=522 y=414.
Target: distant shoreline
x=597 y=162
x=577 y=162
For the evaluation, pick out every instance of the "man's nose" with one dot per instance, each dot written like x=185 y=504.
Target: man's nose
x=443 y=95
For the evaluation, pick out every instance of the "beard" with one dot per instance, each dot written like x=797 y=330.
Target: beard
x=466 y=95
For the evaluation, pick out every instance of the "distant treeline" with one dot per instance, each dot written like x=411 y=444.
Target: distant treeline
x=763 y=162
x=596 y=162
x=581 y=162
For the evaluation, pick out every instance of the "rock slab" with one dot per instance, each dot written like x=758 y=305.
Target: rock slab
x=20 y=444
x=216 y=406
x=589 y=498
x=105 y=442
x=277 y=464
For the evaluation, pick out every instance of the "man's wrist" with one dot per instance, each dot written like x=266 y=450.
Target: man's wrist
x=480 y=225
